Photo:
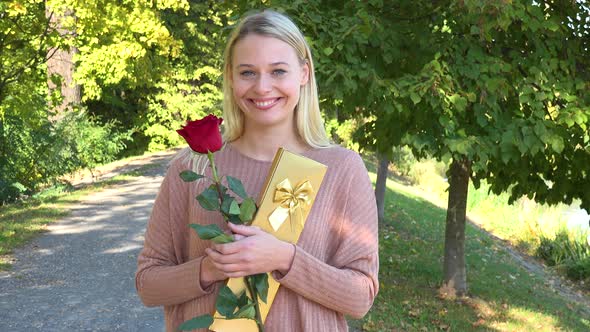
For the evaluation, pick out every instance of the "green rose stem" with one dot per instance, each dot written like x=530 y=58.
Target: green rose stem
x=216 y=179
x=251 y=288
x=215 y=176
x=252 y=291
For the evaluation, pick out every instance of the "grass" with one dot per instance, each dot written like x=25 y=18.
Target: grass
x=526 y=225
x=22 y=221
x=522 y=223
x=504 y=296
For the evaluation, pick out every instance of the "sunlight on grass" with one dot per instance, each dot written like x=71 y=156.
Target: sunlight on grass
x=523 y=319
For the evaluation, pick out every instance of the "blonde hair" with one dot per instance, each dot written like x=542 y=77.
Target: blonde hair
x=310 y=126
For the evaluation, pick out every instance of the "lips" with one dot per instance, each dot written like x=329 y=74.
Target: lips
x=266 y=103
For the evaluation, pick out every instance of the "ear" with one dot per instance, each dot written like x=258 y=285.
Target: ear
x=304 y=74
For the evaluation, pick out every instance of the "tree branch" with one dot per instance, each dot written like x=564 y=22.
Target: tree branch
x=38 y=57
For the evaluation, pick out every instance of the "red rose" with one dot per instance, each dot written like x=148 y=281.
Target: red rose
x=203 y=135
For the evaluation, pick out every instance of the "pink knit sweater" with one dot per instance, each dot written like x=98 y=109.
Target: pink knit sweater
x=334 y=270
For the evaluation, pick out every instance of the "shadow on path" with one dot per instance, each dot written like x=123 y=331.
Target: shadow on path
x=79 y=276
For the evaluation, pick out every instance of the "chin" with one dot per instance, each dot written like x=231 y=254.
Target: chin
x=267 y=119
x=270 y=117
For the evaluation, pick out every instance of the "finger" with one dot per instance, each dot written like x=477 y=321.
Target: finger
x=220 y=258
x=238 y=237
x=230 y=268
x=214 y=255
x=245 y=230
x=237 y=274
x=227 y=248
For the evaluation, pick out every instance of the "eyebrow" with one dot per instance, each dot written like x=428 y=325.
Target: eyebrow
x=272 y=64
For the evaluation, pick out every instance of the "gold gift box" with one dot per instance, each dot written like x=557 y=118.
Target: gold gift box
x=286 y=199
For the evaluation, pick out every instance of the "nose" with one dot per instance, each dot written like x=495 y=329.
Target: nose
x=263 y=84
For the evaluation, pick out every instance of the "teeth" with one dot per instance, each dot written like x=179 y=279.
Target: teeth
x=264 y=103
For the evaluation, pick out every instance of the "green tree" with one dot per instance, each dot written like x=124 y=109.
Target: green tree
x=508 y=93
x=498 y=88
x=149 y=65
x=25 y=37
x=360 y=48
x=35 y=146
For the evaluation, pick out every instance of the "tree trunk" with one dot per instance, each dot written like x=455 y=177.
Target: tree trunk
x=62 y=63
x=455 y=275
x=380 y=186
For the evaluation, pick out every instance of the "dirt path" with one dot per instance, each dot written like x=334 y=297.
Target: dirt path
x=79 y=276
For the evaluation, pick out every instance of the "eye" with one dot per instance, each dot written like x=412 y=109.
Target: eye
x=247 y=73
x=279 y=72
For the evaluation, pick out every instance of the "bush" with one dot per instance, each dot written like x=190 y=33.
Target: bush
x=578 y=270
x=10 y=191
x=40 y=151
x=82 y=141
x=403 y=160
x=548 y=249
x=568 y=251
x=341 y=133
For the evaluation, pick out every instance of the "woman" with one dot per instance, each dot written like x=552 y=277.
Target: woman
x=270 y=102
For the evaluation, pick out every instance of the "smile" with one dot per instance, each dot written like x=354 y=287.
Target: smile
x=265 y=104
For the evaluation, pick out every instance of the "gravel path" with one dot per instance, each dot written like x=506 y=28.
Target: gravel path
x=79 y=276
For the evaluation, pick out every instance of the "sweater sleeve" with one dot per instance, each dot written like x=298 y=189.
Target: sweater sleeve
x=349 y=282
x=161 y=277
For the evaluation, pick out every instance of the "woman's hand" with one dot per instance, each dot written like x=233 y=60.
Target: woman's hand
x=209 y=273
x=254 y=251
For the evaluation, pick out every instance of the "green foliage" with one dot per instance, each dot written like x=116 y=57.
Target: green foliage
x=503 y=84
x=537 y=229
x=85 y=142
x=41 y=152
x=226 y=302
x=521 y=120
x=360 y=48
x=260 y=282
x=209 y=199
x=554 y=251
x=196 y=323
x=123 y=44
x=567 y=250
x=236 y=186
x=232 y=307
x=190 y=176
x=342 y=132
x=578 y=269
x=403 y=159
x=25 y=38
x=211 y=232
x=247 y=210
x=149 y=65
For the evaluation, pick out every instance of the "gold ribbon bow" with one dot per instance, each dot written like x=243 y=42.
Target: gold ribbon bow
x=292 y=202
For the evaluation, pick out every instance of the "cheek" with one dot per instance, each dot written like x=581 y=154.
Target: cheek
x=239 y=89
x=291 y=89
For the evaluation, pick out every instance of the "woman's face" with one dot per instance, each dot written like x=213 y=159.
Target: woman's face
x=266 y=78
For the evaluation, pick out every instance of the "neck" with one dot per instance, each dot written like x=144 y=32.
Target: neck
x=262 y=144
